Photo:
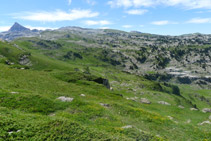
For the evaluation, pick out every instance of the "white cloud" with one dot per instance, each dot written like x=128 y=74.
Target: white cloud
x=91 y=2
x=165 y=22
x=127 y=26
x=4 y=28
x=39 y=27
x=190 y=4
x=199 y=20
x=69 y=2
x=130 y=3
x=136 y=11
x=57 y=15
x=102 y=22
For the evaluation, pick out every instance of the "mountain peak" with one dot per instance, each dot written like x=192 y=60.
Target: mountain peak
x=17 y=28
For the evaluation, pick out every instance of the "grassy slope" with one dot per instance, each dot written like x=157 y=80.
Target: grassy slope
x=37 y=113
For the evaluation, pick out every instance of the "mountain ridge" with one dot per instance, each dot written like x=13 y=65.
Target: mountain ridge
x=26 y=32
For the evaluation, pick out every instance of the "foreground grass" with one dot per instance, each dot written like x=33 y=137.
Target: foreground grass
x=29 y=108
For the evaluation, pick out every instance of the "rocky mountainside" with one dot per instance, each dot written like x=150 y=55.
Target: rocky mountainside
x=186 y=58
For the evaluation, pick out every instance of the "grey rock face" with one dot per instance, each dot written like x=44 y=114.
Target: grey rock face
x=103 y=81
x=24 y=60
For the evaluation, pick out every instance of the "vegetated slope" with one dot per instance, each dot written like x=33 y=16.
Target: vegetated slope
x=183 y=59
x=133 y=109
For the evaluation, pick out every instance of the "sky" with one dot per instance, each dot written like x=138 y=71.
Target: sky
x=165 y=17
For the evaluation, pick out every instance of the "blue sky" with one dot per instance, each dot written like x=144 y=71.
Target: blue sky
x=167 y=17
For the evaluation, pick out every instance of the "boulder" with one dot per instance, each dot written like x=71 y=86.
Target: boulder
x=171 y=118
x=127 y=127
x=132 y=98
x=163 y=102
x=193 y=109
x=181 y=107
x=206 y=110
x=65 y=99
x=103 y=81
x=14 y=92
x=210 y=117
x=83 y=95
x=145 y=101
x=105 y=105
x=188 y=121
x=204 y=122
x=24 y=60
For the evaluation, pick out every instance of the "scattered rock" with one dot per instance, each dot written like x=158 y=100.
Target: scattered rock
x=111 y=89
x=171 y=118
x=65 y=99
x=210 y=117
x=51 y=115
x=105 y=105
x=127 y=127
x=132 y=98
x=193 y=109
x=18 y=131
x=204 y=122
x=158 y=136
x=206 y=110
x=14 y=92
x=163 y=102
x=181 y=107
x=83 y=95
x=188 y=121
x=10 y=132
x=145 y=101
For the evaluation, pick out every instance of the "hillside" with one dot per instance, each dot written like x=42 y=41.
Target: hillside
x=86 y=84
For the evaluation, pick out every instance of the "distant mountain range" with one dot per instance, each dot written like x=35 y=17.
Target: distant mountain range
x=17 y=31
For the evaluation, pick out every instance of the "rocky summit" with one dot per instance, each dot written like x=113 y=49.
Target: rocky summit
x=18 y=28
x=18 y=31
